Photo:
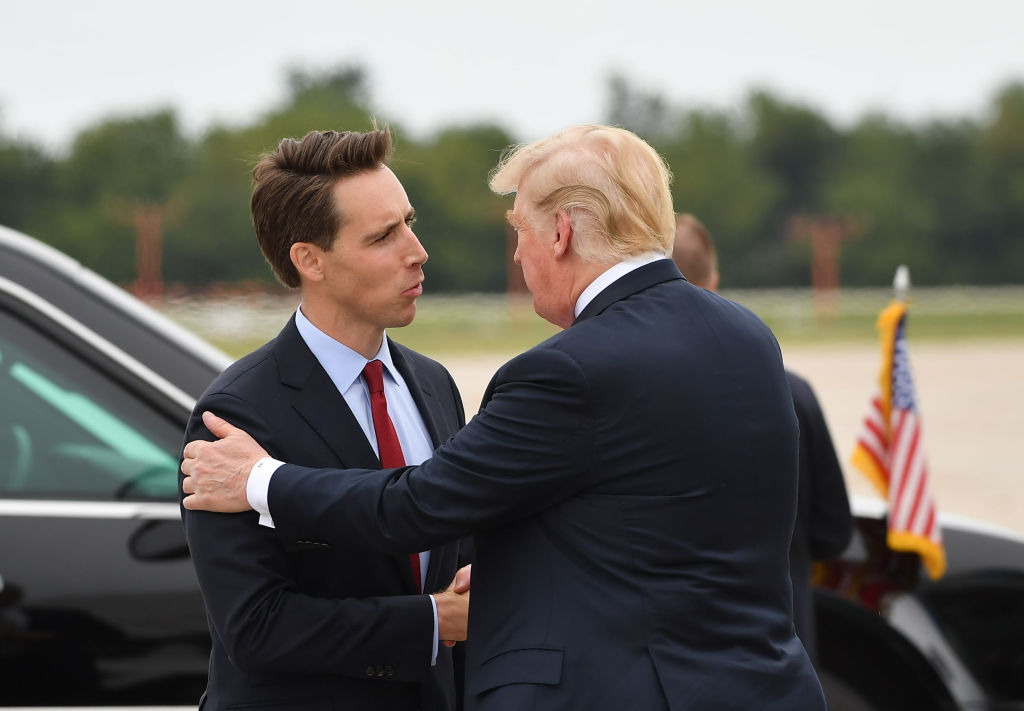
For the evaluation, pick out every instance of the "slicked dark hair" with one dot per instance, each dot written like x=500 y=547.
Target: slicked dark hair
x=292 y=193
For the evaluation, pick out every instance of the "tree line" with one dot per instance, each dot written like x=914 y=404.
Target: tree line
x=945 y=196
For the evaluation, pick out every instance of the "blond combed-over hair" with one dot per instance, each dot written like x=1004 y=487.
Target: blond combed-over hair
x=613 y=186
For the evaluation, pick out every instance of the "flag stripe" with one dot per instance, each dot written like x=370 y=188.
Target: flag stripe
x=929 y=525
x=914 y=503
x=876 y=430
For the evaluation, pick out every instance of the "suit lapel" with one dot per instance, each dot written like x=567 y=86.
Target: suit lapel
x=637 y=280
x=319 y=403
x=421 y=390
x=322 y=407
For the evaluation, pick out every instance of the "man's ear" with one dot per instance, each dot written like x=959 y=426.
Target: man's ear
x=563 y=234
x=308 y=260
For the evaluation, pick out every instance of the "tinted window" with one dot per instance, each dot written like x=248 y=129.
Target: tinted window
x=69 y=431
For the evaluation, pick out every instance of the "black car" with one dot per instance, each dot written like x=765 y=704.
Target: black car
x=99 y=605
x=98 y=601
x=890 y=639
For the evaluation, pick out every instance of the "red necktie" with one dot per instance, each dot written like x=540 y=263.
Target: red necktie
x=388 y=446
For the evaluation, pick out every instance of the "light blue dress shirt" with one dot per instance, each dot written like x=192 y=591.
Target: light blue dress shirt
x=345 y=368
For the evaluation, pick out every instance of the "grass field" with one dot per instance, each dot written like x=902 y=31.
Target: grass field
x=490 y=323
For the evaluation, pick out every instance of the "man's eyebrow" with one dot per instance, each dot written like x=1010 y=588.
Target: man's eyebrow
x=510 y=218
x=381 y=231
x=389 y=226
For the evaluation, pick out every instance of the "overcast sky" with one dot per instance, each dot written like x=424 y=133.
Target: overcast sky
x=535 y=66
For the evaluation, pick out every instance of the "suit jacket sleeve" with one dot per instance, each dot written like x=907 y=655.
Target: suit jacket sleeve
x=830 y=522
x=247 y=575
x=530 y=446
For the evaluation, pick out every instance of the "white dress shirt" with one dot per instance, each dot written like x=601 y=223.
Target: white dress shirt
x=613 y=274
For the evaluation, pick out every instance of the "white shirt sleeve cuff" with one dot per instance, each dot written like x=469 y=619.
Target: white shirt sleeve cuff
x=257 y=491
x=433 y=657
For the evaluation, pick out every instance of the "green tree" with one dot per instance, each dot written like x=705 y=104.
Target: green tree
x=875 y=183
x=996 y=248
x=796 y=145
x=114 y=168
x=460 y=222
x=27 y=184
x=714 y=178
x=213 y=240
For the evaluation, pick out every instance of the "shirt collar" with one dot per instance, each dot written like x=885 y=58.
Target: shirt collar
x=342 y=364
x=611 y=275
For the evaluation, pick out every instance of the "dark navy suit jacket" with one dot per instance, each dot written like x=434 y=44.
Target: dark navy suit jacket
x=631 y=483
x=303 y=625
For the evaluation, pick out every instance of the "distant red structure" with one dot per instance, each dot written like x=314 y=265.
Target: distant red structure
x=147 y=219
x=826 y=233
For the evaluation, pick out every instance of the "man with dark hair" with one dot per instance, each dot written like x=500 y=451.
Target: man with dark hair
x=630 y=482
x=824 y=523
x=302 y=624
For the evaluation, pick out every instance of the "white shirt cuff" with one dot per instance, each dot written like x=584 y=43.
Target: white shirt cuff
x=433 y=657
x=257 y=491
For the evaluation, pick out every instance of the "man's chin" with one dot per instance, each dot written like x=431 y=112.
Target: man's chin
x=404 y=318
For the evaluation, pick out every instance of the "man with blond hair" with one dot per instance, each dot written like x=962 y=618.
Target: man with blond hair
x=630 y=481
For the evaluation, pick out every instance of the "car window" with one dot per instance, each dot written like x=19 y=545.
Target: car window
x=69 y=431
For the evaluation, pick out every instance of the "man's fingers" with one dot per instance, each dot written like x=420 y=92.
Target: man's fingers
x=196 y=502
x=188 y=485
x=191 y=450
x=220 y=427
x=462 y=579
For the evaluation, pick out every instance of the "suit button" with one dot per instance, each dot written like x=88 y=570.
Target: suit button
x=380 y=671
x=369 y=671
x=389 y=671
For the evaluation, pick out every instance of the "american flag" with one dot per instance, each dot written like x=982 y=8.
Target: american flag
x=891 y=454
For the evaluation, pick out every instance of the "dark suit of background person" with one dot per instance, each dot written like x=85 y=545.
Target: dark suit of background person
x=631 y=486
x=824 y=523
x=301 y=624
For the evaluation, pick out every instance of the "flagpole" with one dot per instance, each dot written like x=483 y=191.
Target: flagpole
x=901 y=282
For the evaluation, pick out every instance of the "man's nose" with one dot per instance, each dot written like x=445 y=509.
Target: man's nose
x=418 y=255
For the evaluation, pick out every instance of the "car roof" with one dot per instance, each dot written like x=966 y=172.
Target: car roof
x=168 y=349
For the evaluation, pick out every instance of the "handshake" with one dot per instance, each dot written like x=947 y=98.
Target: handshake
x=453 y=609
